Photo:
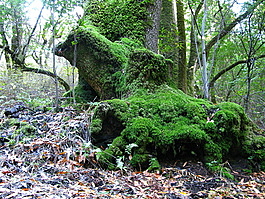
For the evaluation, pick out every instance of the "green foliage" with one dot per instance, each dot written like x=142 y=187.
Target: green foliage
x=154 y=164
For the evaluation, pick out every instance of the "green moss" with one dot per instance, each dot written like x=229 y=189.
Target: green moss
x=96 y=126
x=102 y=49
x=166 y=121
x=22 y=131
x=83 y=92
x=255 y=150
x=119 y=108
x=27 y=130
x=156 y=117
x=147 y=70
x=117 y=19
x=140 y=161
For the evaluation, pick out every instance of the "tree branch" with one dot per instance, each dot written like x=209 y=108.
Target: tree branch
x=228 y=28
x=46 y=72
x=32 y=32
x=216 y=77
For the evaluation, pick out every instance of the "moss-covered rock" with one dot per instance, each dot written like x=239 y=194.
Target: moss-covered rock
x=167 y=124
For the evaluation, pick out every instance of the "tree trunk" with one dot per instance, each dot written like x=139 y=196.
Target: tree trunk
x=168 y=38
x=152 y=32
x=193 y=53
x=182 y=61
x=204 y=56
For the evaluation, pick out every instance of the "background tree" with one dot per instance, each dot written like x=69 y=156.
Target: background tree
x=18 y=36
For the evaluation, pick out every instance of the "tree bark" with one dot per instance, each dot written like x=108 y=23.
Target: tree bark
x=182 y=61
x=204 y=55
x=193 y=54
x=151 y=39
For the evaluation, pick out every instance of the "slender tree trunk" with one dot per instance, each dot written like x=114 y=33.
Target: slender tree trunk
x=73 y=70
x=53 y=59
x=204 y=55
x=193 y=54
x=182 y=61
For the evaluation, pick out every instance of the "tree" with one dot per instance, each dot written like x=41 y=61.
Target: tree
x=17 y=37
x=182 y=61
x=248 y=47
x=224 y=31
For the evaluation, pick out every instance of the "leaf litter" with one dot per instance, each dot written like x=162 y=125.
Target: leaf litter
x=55 y=164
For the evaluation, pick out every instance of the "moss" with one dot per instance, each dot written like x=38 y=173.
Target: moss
x=140 y=161
x=118 y=19
x=98 y=59
x=27 y=130
x=147 y=69
x=96 y=126
x=83 y=92
x=165 y=122
x=155 y=116
x=255 y=150
x=22 y=131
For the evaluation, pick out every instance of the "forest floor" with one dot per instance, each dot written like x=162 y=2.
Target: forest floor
x=44 y=154
x=53 y=163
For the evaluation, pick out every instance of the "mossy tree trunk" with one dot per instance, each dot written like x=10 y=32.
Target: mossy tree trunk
x=159 y=120
x=182 y=61
x=168 y=36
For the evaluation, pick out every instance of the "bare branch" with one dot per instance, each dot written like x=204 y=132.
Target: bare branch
x=46 y=72
x=228 y=28
x=216 y=77
x=32 y=32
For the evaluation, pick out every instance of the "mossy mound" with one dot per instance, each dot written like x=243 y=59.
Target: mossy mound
x=166 y=124
x=20 y=131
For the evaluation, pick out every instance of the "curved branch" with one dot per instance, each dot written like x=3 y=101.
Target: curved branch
x=228 y=28
x=216 y=77
x=46 y=72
